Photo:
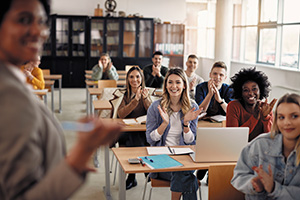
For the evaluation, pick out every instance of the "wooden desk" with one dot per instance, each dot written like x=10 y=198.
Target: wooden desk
x=122 y=76
x=59 y=78
x=88 y=71
x=139 y=169
x=88 y=76
x=100 y=105
x=124 y=153
x=121 y=72
x=92 y=92
x=41 y=94
x=51 y=84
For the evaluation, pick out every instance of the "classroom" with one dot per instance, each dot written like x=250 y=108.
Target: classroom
x=153 y=52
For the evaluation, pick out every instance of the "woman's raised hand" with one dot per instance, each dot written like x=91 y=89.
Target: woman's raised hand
x=138 y=93
x=265 y=178
x=164 y=115
x=145 y=93
x=191 y=115
x=266 y=107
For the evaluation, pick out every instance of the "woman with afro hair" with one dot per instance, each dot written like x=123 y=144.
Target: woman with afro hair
x=248 y=109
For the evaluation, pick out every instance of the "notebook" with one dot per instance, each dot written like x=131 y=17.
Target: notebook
x=220 y=144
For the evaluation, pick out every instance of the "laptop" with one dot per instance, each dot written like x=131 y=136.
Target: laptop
x=220 y=144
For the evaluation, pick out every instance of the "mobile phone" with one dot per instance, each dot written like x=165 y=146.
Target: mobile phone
x=134 y=161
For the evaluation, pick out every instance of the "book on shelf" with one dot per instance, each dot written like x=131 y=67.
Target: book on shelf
x=160 y=161
x=169 y=150
x=139 y=120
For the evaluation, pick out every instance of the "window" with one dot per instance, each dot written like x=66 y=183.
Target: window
x=267 y=31
x=200 y=28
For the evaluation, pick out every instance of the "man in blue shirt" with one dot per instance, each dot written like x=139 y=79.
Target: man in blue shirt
x=214 y=95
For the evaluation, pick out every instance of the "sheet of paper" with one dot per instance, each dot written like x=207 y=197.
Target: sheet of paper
x=218 y=118
x=180 y=151
x=142 y=119
x=130 y=121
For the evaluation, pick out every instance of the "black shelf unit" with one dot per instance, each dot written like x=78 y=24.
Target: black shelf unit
x=75 y=43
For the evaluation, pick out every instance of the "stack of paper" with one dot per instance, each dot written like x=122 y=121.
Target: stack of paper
x=168 y=150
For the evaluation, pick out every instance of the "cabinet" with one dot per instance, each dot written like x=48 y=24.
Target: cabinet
x=65 y=51
x=76 y=42
x=129 y=41
x=169 y=39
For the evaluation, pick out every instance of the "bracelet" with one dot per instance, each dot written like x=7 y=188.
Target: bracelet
x=221 y=102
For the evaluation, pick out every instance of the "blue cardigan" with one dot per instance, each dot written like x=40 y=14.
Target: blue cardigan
x=154 y=120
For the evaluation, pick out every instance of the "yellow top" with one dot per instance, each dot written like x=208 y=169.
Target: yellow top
x=38 y=82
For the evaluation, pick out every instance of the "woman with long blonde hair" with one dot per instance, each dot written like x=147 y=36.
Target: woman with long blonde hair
x=172 y=121
x=269 y=166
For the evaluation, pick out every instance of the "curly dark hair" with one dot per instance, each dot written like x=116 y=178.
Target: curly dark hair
x=250 y=74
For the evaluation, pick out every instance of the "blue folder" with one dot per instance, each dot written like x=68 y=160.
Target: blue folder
x=160 y=161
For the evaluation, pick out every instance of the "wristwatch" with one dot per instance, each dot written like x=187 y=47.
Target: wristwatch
x=185 y=125
x=221 y=102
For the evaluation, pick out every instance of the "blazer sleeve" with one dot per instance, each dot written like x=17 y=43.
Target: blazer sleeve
x=153 y=122
x=28 y=170
x=199 y=95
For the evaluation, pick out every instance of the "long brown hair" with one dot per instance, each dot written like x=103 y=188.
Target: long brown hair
x=128 y=86
x=184 y=99
x=287 y=98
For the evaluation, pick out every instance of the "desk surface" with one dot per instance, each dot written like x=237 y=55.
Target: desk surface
x=124 y=153
x=102 y=105
x=49 y=83
x=95 y=91
x=52 y=77
x=95 y=83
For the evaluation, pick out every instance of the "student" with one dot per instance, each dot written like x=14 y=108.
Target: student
x=214 y=95
x=33 y=157
x=135 y=103
x=155 y=73
x=104 y=70
x=34 y=75
x=193 y=78
x=172 y=121
x=268 y=167
x=248 y=110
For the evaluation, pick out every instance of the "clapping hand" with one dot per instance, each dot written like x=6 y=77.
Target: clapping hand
x=193 y=83
x=266 y=107
x=145 y=93
x=264 y=179
x=109 y=65
x=138 y=93
x=191 y=115
x=164 y=115
x=156 y=70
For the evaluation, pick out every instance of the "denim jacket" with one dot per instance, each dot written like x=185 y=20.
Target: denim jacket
x=264 y=150
x=154 y=120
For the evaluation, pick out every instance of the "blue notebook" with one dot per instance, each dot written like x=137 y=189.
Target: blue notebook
x=160 y=161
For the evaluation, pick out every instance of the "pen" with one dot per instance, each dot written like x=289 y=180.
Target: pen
x=148 y=159
x=170 y=150
x=142 y=162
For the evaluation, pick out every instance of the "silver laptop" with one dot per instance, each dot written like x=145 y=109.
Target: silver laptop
x=220 y=144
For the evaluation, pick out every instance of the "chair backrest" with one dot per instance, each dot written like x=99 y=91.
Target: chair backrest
x=107 y=83
x=46 y=71
x=219 y=177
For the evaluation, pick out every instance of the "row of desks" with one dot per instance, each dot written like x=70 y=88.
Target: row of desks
x=123 y=154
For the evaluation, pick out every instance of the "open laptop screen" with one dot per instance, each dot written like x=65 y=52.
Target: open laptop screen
x=220 y=144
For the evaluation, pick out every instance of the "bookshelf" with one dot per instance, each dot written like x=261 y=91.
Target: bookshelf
x=169 y=39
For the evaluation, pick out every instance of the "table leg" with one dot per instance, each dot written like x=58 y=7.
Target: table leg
x=106 y=188
x=122 y=184
x=91 y=104
x=87 y=100
x=52 y=98
x=45 y=99
x=59 y=87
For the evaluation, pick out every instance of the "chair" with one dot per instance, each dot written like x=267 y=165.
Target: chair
x=219 y=183
x=161 y=183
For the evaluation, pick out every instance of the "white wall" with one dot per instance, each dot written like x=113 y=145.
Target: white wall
x=166 y=10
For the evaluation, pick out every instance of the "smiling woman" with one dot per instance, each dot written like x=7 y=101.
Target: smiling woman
x=269 y=166
x=250 y=87
x=32 y=146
